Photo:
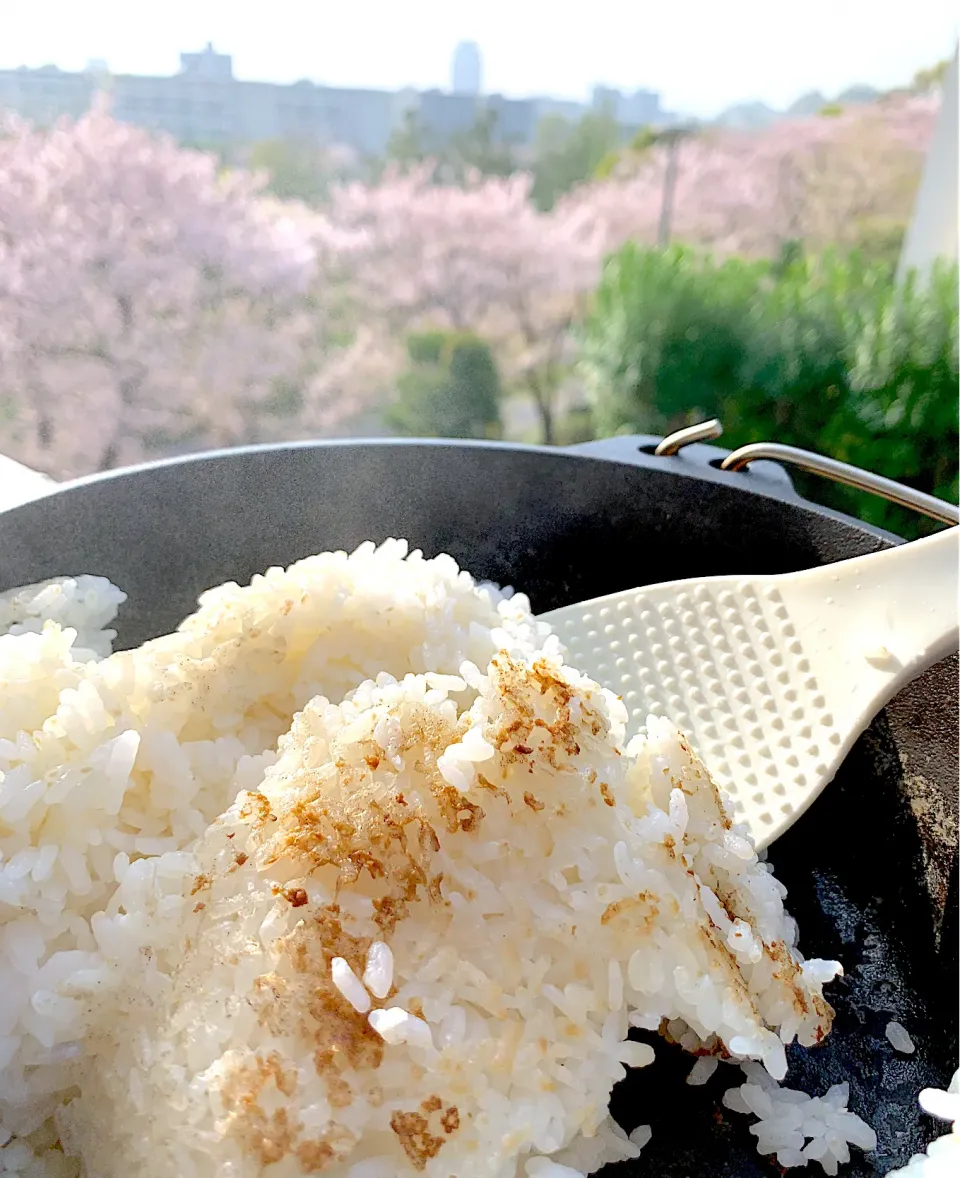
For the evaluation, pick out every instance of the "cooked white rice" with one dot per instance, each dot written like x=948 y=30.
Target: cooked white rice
x=352 y=874
x=799 y=1128
x=84 y=604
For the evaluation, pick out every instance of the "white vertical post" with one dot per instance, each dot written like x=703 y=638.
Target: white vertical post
x=932 y=232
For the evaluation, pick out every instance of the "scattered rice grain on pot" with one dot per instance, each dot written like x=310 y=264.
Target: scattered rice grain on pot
x=798 y=1128
x=899 y=1038
x=702 y=1070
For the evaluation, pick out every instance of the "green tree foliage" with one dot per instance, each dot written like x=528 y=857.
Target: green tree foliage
x=927 y=80
x=407 y=144
x=567 y=153
x=451 y=389
x=637 y=151
x=479 y=148
x=824 y=354
x=297 y=170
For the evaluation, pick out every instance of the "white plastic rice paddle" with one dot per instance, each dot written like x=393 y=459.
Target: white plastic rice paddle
x=772 y=678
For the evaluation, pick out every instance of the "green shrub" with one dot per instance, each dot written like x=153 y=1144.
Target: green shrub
x=825 y=354
x=451 y=389
x=576 y=426
x=427 y=347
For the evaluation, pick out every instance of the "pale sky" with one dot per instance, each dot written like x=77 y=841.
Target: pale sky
x=703 y=55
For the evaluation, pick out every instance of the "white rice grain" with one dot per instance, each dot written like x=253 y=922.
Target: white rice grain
x=397 y=1026
x=702 y=1070
x=798 y=1128
x=349 y=985
x=378 y=974
x=899 y=1038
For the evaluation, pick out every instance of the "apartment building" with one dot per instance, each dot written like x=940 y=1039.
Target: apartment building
x=205 y=104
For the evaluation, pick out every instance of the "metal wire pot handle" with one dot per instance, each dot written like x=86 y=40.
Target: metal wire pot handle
x=830 y=468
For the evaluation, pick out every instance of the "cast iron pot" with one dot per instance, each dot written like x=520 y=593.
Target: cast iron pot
x=871 y=868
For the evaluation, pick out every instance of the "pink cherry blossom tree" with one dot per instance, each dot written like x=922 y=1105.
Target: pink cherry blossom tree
x=825 y=180
x=152 y=303
x=860 y=181
x=477 y=256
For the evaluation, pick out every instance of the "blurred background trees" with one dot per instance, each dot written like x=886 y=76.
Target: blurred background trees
x=823 y=353
x=155 y=299
x=150 y=301
x=566 y=153
x=451 y=389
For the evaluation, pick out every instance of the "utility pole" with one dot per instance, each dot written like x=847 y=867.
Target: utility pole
x=671 y=138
